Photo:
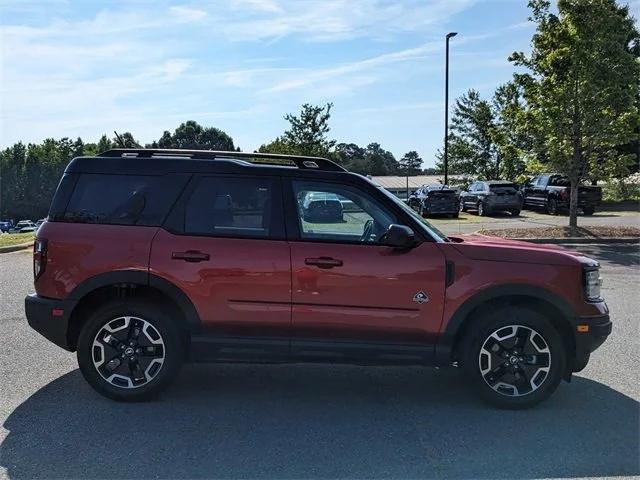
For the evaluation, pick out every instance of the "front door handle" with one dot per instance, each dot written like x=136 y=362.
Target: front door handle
x=190 y=256
x=323 y=262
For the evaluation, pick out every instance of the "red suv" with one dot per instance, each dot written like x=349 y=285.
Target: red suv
x=154 y=257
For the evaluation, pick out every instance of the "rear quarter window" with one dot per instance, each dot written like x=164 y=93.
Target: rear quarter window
x=123 y=199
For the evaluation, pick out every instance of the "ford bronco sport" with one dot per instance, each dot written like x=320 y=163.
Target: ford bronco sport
x=150 y=258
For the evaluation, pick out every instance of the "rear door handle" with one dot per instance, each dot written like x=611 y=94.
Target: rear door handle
x=192 y=256
x=323 y=262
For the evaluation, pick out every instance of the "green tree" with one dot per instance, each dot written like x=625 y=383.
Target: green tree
x=379 y=161
x=307 y=133
x=410 y=164
x=192 y=136
x=581 y=85
x=472 y=148
x=511 y=140
x=351 y=157
x=104 y=144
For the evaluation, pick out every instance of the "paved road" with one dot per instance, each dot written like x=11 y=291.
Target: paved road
x=237 y=421
x=470 y=222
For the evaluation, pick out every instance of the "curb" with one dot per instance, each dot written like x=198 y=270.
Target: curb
x=581 y=240
x=15 y=248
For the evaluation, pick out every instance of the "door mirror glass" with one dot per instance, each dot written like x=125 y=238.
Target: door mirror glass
x=399 y=236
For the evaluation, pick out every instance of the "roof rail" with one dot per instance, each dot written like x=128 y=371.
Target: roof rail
x=308 y=163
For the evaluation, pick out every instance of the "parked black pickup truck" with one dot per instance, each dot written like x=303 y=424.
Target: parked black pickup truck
x=551 y=192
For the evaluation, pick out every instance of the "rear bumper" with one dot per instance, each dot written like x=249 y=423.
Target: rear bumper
x=514 y=204
x=49 y=317
x=441 y=208
x=598 y=329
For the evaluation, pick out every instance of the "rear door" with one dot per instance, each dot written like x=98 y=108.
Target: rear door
x=224 y=246
x=349 y=289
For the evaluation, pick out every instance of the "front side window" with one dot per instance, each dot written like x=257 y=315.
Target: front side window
x=335 y=212
x=233 y=207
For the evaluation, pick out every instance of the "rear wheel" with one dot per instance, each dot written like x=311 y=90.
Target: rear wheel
x=514 y=357
x=588 y=210
x=515 y=213
x=130 y=350
x=423 y=211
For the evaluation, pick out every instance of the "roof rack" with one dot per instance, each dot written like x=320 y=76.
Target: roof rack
x=308 y=163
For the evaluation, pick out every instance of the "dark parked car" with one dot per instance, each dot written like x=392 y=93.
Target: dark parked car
x=152 y=258
x=434 y=200
x=551 y=191
x=321 y=207
x=492 y=196
x=5 y=226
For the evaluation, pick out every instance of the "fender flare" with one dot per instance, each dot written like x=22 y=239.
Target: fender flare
x=142 y=278
x=444 y=347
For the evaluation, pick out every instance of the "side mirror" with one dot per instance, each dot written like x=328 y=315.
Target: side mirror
x=399 y=236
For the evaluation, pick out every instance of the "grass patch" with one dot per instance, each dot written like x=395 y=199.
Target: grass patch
x=564 y=232
x=8 y=239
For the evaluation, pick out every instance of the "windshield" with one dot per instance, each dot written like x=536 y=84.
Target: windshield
x=430 y=229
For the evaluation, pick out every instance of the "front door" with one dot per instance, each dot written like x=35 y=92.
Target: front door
x=347 y=286
x=227 y=252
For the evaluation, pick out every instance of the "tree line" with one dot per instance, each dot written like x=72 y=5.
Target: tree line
x=29 y=174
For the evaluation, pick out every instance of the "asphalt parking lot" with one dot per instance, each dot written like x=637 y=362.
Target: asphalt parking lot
x=470 y=222
x=240 y=421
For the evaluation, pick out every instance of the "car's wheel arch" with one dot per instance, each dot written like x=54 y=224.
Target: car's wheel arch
x=110 y=286
x=557 y=309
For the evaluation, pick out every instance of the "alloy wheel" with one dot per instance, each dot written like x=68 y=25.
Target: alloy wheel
x=128 y=352
x=514 y=360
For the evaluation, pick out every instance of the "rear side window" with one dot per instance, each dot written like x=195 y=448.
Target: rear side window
x=559 y=181
x=235 y=207
x=123 y=199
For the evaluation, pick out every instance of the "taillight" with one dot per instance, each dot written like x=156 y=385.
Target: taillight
x=564 y=195
x=39 y=257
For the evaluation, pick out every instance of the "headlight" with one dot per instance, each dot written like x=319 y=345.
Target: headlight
x=592 y=284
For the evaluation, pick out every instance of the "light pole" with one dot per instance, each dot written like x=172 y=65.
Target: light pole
x=446 y=110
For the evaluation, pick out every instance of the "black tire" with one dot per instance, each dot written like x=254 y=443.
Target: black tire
x=171 y=347
x=423 y=212
x=454 y=215
x=482 y=210
x=588 y=210
x=552 y=206
x=462 y=206
x=520 y=320
x=515 y=213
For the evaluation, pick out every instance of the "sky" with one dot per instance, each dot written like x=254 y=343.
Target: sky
x=82 y=68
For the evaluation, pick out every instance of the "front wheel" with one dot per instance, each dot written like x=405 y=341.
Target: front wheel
x=463 y=208
x=514 y=357
x=552 y=206
x=130 y=350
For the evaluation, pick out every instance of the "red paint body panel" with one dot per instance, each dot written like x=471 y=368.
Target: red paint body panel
x=483 y=262
x=243 y=289
x=79 y=251
x=369 y=297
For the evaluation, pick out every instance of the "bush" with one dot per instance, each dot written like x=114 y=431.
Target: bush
x=619 y=190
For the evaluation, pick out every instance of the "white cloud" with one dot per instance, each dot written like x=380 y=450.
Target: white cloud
x=188 y=14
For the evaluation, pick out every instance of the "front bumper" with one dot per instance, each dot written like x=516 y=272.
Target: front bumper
x=49 y=317
x=591 y=332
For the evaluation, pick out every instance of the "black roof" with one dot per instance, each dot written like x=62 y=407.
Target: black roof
x=163 y=161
